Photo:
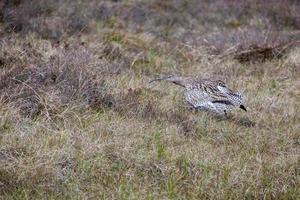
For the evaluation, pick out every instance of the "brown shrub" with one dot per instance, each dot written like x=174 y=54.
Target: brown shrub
x=261 y=53
x=47 y=88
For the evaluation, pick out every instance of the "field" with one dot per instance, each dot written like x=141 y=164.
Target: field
x=79 y=119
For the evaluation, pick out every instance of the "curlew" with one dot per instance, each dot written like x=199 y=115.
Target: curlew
x=207 y=94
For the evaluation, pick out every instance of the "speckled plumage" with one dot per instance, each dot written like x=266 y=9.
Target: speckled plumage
x=207 y=94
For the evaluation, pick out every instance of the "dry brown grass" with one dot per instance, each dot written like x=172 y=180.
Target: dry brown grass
x=78 y=118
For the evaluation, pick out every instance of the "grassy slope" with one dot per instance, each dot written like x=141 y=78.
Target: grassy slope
x=78 y=118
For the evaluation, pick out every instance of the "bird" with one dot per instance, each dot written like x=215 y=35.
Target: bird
x=207 y=94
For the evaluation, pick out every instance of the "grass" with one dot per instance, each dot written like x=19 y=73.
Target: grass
x=78 y=119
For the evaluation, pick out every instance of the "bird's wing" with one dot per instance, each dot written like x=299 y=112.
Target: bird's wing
x=217 y=94
x=224 y=89
x=201 y=100
x=234 y=97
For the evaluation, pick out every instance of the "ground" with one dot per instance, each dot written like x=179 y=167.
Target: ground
x=79 y=119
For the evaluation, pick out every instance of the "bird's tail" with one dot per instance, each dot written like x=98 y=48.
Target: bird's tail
x=172 y=78
x=238 y=99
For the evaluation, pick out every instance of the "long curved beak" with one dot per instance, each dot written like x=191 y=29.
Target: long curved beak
x=157 y=79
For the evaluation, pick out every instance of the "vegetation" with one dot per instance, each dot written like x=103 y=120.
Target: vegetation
x=78 y=119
